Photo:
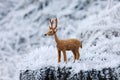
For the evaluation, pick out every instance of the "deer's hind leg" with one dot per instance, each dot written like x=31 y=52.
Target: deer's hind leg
x=74 y=53
x=77 y=54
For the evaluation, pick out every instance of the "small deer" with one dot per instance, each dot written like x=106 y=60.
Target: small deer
x=64 y=45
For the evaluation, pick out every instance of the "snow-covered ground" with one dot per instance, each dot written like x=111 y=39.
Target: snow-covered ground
x=23 y=46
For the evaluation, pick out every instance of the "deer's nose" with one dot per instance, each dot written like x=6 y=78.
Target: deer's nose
x=45 y=34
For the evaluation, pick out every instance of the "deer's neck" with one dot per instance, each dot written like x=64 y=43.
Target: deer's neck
x=56 y=38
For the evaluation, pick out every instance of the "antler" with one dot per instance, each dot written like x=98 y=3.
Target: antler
x=56 y=22
x=51 y=24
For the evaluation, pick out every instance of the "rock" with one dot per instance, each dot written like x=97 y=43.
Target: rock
x=66 y=73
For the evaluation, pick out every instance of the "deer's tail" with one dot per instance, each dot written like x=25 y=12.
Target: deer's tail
x=81 y=45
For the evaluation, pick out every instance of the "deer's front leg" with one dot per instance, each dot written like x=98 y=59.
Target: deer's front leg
x=64 y=54
x=59 y=55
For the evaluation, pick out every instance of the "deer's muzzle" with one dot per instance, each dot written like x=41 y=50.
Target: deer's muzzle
x=45 y=34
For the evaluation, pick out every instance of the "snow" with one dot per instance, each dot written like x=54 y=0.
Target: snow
x=23 y=46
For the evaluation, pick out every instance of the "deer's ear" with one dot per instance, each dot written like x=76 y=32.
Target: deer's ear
x=56 y=30
x=50 y=27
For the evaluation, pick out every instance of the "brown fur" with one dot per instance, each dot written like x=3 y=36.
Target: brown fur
x=64 y=45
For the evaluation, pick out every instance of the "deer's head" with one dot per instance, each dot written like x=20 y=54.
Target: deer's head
x=52 y=30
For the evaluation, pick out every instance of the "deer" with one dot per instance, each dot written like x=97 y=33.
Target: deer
x=64 y=45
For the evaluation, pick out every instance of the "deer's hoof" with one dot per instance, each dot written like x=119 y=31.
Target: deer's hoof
x=65 y=62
